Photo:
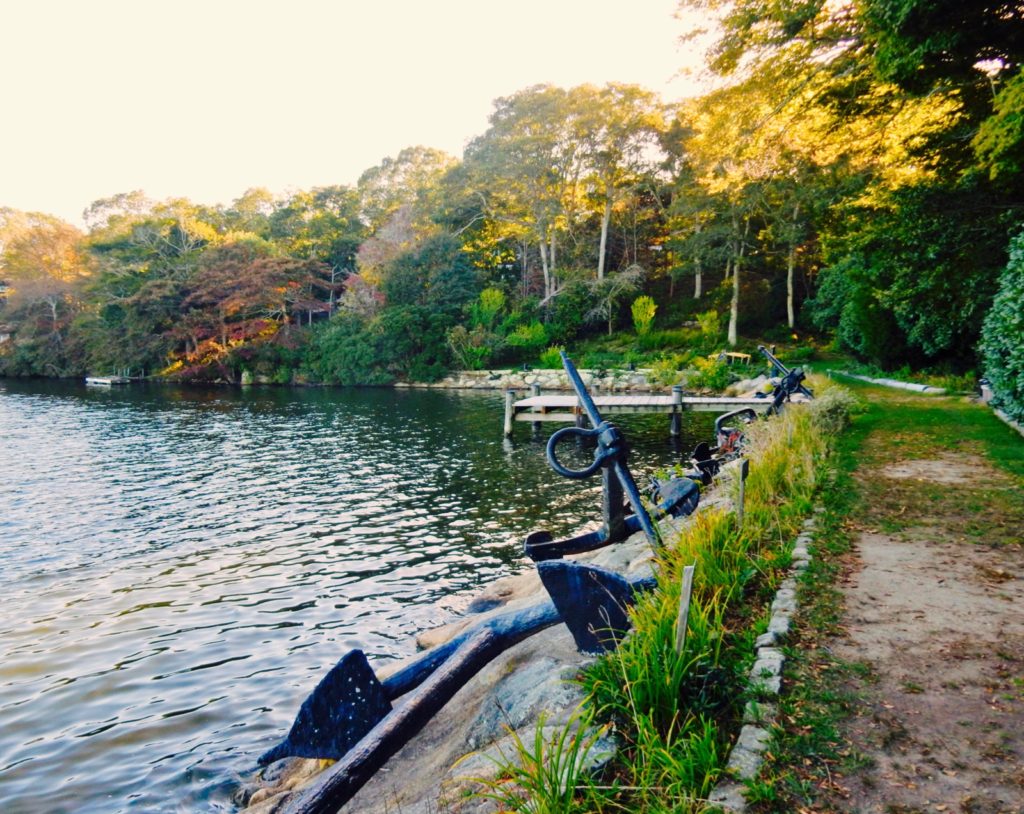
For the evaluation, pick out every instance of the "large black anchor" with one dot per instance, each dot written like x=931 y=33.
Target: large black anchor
x=676 y=497
x=350 y=716
x=361 y=721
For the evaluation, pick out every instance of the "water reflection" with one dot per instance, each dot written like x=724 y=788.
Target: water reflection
x=183 y=564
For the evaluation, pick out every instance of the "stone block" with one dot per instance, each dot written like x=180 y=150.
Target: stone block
x=780 y=623
x=728 y=797
x=759 y=712
x=748 y=753
x=766 y=640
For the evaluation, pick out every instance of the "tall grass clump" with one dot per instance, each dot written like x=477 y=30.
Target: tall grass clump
x=548 y=773
x=675 y=713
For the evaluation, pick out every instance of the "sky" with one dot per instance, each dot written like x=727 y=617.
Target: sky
x=207 y=99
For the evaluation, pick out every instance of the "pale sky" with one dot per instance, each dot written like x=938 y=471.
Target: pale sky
x=204 y=99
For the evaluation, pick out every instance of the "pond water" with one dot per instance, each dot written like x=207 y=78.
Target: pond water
x=181 y=566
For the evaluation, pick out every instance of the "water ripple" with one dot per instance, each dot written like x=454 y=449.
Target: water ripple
x=182 y=565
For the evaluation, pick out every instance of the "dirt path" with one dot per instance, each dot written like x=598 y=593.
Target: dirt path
x=934 y=614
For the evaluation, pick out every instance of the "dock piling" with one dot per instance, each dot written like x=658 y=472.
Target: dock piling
x=676 y=419
x=535 y=393
x=510 y=400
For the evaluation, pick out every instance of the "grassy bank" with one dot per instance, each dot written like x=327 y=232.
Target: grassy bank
x=676 y=713
x=812 y=753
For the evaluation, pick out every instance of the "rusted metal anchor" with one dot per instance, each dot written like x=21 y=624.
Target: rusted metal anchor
x=676 y=497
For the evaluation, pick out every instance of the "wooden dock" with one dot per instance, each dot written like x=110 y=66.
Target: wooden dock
x=107 y=381
x=566 y=409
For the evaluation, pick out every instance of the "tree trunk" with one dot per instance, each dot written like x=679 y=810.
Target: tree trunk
x=54 y=325
x=790 y=263
x=605 y=220
x=698 y=281
x=545 y=268
x=734 y=306
x=525 y=267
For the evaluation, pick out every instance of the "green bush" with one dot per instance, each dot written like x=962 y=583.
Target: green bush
x=1002 y=339
x=472 y=349
x=551 y=359
x=663 y=340
x=486 y=309
x=643 y=309
x=710 y=324
x=667 y=370
x=708 y=374
x=531 y=336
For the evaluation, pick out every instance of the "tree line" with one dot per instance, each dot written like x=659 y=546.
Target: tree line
x=857 y=174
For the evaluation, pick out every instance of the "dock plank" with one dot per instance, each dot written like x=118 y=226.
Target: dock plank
x=564 y=408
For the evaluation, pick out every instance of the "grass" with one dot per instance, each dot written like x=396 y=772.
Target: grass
x=675 y=714
x=810 y=753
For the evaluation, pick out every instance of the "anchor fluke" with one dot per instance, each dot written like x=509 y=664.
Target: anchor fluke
x=347 y=703
x=591 y=601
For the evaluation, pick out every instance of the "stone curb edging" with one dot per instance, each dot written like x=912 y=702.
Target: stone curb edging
x=914 y=386
x=765 y=684
x=1006 y=419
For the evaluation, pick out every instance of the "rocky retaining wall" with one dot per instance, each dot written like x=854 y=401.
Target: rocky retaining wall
x=607 y=381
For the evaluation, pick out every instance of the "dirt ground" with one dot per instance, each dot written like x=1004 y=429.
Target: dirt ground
x=935 y=611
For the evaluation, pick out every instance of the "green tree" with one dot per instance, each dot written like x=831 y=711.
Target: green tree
x=1003 y=335
x=521 y=169
x=618 y=127
x=412 y=178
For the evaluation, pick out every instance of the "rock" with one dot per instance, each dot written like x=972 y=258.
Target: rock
x=748 y=753
x=746 y=387
x=779 y=624
x=728 y=796
x=759 y=712
x=769 y=639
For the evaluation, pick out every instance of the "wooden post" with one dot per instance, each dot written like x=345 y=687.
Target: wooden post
x=510 y=398
x=535 y=392
x=744 y=471
x=684 y=608
x=676 y=421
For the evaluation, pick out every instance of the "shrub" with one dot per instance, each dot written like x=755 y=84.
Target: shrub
x=710 y=324
x=530 y=337
x=662 y=340
x=472 y=350
x=551 y=359
x=643 y=310
x=667 y=370
x=832 y=407
x=1002 y=338
x=708 y=374
x=486 y=309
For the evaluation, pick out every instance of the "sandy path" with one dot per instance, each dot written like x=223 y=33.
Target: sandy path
x=940 y=623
